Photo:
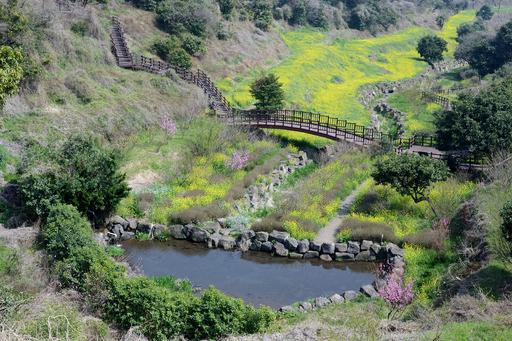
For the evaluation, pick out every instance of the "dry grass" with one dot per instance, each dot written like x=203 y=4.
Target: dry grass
x=368 y=230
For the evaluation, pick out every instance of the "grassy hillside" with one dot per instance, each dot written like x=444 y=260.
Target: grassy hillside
x=324 y=75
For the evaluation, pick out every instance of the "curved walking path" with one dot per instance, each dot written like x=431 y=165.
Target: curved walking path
x=328 y=233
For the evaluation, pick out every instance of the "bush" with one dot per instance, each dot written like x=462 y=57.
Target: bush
x=367 y=230
x=79 y=172
x=506 y=226
x=80 y=28
x=11 y=68
x=193 y=45
x=226 y=7
x=170 y=50
x=268 y=92
x=65 y=230
x=178 y=16
x=431 y=48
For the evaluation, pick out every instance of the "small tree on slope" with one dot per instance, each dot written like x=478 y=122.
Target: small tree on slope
x=431 y=48
x=411 y=175
x=268 y=92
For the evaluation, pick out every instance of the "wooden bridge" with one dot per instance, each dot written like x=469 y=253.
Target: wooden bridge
x=293 y=120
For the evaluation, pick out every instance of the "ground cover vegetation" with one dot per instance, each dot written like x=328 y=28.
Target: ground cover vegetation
x=324 y=75
x=314 y=200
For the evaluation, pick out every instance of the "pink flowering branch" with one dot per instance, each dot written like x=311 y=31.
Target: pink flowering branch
x=238 y=160
x=395 y=292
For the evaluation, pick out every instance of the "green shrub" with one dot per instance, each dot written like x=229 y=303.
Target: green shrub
x=79 y=172
x=65 y=230
x=80 y=28
x=11 y=68
x=115 y=251
x=506 y=226
x=171 y=51
x=193 y=45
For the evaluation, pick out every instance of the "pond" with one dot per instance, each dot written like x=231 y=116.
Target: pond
x=256 y=277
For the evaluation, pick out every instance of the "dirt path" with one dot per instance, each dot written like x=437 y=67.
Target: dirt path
x=328 y=233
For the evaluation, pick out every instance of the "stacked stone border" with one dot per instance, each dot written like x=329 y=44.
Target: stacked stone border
x=277 y=243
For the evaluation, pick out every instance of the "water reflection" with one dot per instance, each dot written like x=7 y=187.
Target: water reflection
x=256 y=277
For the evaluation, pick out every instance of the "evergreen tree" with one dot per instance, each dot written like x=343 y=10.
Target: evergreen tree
x=268 y=92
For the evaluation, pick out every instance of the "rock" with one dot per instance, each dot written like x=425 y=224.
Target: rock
x=278 y=236
x=336 y=298
x=132 y=224
x=291 y=244
x=119 y=220
x=212 y=226
x=305 y=306
x=266 y=246
x=187 y=229
x=280 y=250
x=159 y=230
x=286 y=308
x=363 y=256
x=344 y=256
x=369 y=290
x=311 y=254
x=127 y=235
x=144 y=227
x=213 y=240
x=375 y=249
x=262 y=236
x=222 y=222
x=177 y=231
x=227 y=243
x=366 y=244
x=295 y=255
x=100 y=238
x=349 y=295
x=198 y=235
x=353 y=247
x=321 y=301
x=326 y=258
x=247 y=235
x=118 y=230
x=328 y=248
x=340 y=247
x=255 y=245
x=394 y=250
x=243 y=244
x=303 y=246
x=314 y=246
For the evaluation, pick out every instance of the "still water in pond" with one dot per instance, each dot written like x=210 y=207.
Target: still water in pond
x=256 y=277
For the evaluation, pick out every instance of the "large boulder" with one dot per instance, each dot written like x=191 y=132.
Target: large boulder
x=349 y=295
x=291 y=244
x=304 y=306
x=177 y=231
x=341 y=247
x=243 y=244
x=280 y=250
x=278 y=236
x=198 y=235
x=227 y=243
x=311 y=254
x=336 y=298
x=213 y=240
x=160 y=230
x=144 y=227
x=328 y=248
x=266 y=247
x=363 y=256
x=212 y=226
x=303 y=246
x=369 y=290
x=261 y=236
x=119 y=220
x=314 y=246
x=118 y=230
x=353 y=247
x=255 y=245
x=366 y=244
x=127 y=235
x=295 y=255
x=247 y=235
x=321 y=301
x=344 y=256
x=132 y=224
x=325 y=257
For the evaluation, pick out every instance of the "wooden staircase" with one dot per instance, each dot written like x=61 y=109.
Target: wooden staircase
x=125 y=59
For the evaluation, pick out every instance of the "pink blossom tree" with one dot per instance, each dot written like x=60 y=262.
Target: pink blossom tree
x=168 y=125
x=395 y=292
x=238 y=160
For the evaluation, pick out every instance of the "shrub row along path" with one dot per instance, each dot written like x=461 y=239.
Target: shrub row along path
x=292 y=120
x=328 y=233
